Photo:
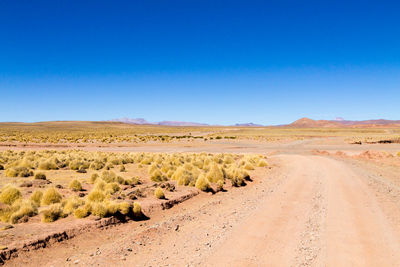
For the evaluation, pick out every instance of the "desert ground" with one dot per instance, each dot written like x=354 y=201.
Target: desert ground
x=325 y=197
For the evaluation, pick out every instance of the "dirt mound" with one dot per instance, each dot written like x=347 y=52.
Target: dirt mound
x=374 y=155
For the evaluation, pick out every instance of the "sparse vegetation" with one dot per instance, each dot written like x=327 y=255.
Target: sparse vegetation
x=110 y=194
x=159 y=193
x=75 y=185
x=9 y=195
x=51 y=196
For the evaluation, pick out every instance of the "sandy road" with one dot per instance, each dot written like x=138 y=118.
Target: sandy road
x=316 y=211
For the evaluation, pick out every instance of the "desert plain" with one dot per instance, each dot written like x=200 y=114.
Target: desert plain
x=114 y=194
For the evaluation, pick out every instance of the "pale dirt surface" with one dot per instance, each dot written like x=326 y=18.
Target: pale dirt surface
x=308 y=210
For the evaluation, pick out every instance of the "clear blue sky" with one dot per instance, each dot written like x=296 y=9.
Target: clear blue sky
x=217 y=62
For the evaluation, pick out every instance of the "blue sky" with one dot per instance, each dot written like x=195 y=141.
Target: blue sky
x=218 y=62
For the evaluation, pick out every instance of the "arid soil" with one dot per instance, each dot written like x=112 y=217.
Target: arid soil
x=307 y=210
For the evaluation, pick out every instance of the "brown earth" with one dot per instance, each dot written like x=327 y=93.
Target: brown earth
x=308 y=210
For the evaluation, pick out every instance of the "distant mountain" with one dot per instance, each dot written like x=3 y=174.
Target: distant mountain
x=141 y=121
x=250 y=124
x=132 y=121
x=340 y=122
x=181 y=123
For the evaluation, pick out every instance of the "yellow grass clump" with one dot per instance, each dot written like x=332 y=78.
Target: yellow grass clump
x=51 y=196
x=159 y=193
x=137 y=209
x=124 y=208
x=9 y=195
x=40 y=176
x=18 y=172
x=96 y=196
x=36 y=197
x=202 y=183
x=71 y=204
x=53 y=213
x=75 y=185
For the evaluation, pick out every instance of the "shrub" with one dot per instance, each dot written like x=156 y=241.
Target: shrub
x=40 y=176
x=112 y=207
x=93 y=178
x=202 y=183
x=157 y=176
x=9 y=195
x=82 y=212
x=23 y=208
x=124 y=207
x=18 y=171
x=108 y=176
x=72 y=204
x=120 y=180
x=159 y=193
x=262 y=163
x=51 y=196
x=52 y=213
x=99 y=185
x=215 y=173
x=75 y=185
x=112 y=188
x=99 y=209
x=137 y=209
x=220 y=184
x=47 y=165
x=248 y=166
x=122 y=168
x=96 y=196
x=1 y=167
x=36 y=197
x=96 y=165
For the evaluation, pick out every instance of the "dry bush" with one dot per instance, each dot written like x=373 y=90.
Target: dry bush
x=99 y=209
x=93 y=178
x=23 y=209
x=75 y=185
x=215 y=173
x=202 y=183
x=137 y=209
x=124 y=208
x=51 y=196
x=262 y=163
x=36 y=197
x=48 y=165
x=52 y=213
x=71 y=204
x=157 y=176
x=108 y=176
x=82 y=211
x=112 y=188
x=9 y=195
x=18 y=172
x=96 y=196
x=40 y=176
x=159 y=193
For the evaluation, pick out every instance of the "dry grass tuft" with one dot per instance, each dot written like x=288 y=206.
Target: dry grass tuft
x=75 y=185
x=51 y=196
x=9 y=195
x=159 y=193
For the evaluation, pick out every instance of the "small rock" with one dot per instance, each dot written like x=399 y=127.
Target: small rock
x=123 y=258
x=68 y=259
x=177 y=227
x=76 y=261
x=129 y=249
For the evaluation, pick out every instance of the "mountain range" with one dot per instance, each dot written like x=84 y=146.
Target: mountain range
x=300 y=123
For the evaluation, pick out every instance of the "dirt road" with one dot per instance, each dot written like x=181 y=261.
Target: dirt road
x=311 y=211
